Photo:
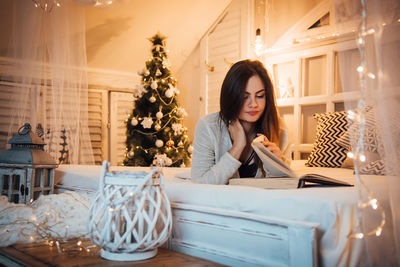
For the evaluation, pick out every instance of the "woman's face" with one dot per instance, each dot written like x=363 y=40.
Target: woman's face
x=254 y=100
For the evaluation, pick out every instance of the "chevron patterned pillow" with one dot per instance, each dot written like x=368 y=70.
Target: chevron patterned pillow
x=326 y=152
x=373 y=144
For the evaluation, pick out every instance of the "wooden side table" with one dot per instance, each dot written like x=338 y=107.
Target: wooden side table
x=41 y=254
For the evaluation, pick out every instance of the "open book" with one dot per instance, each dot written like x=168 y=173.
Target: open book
x=280 y=175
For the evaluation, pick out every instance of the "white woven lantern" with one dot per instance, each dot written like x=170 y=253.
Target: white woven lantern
x=130 y=216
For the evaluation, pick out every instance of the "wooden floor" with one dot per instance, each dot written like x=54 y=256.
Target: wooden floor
x=41 y=254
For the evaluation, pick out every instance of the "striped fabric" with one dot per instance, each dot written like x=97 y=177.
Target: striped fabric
x=326 y=152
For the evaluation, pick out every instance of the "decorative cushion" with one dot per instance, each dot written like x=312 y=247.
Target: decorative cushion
x=373 y=144
x=326 y=152
x=376 y=167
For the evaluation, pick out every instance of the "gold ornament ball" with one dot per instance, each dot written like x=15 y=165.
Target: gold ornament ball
x=170 y=142
x=152 y=99
x=157 y=127
x=190 y=149
x=131 y=154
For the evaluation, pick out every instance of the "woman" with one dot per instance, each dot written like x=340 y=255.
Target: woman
x=222 y=144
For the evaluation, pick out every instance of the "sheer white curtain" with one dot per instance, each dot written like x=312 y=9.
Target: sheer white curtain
x=378 y=55
x=48 y=51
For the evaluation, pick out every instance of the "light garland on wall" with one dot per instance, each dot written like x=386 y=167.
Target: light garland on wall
x=321 y=37
x=359 y=117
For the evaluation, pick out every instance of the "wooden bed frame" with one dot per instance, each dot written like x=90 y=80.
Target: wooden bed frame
x=242 y=239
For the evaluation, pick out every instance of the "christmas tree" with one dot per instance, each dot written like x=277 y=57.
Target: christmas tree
x=155 y=133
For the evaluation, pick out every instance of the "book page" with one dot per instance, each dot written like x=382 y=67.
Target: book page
x=273 y=166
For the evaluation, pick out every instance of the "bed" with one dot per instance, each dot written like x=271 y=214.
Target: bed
x=242 y=225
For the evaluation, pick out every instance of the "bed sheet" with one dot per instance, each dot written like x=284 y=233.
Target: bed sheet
x=333 y=208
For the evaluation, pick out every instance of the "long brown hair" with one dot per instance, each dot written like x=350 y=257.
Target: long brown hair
x=232 y=97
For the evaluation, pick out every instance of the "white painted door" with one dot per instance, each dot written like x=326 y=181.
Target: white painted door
x=225 y=43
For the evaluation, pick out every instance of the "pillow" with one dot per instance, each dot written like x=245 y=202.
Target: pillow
x=326 y=152
x=372 y=143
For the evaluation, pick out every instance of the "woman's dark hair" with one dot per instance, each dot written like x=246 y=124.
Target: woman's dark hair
x=232 y=97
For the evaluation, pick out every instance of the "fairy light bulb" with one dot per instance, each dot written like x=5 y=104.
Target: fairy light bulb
x=374 y=203
x=258 y=45
x=360 y=69
x=362 y=158
x=378 y=231
x=350 y=154
x=351 y=115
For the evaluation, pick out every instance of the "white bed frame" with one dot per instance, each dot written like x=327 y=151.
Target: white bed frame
x=242 y=239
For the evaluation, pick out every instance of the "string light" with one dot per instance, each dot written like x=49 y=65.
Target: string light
x=359 y=118
x=46 y=5
x=258 y=43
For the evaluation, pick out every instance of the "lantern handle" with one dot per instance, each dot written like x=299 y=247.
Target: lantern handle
x=105 y=170
x=25 y=129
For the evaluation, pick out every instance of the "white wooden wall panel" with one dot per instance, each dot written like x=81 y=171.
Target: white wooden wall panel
x=121 y=105
x=223 y=45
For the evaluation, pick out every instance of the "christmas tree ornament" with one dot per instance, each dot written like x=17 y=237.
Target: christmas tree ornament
x=146 y=73
x=168 y=161
x=190 y=149
x=159 y=115
x=147 y=122
x=165 y=63
x=178 y=128
x=153 y=85
x=130 y=154
x=171 y=87
x=181 y=112
x=152 y=99
x=169 y=93
x=180 y=144
x=134 y=122
x=140 y=90
x=157 y=47
x=159 y=143
x=157 y=127
x=158 y=72
x=170 y=142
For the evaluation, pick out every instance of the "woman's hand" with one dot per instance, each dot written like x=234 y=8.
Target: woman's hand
x=271 y=147
x=238 y=137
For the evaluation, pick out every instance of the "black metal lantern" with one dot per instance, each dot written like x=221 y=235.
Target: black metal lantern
x=26 y=170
